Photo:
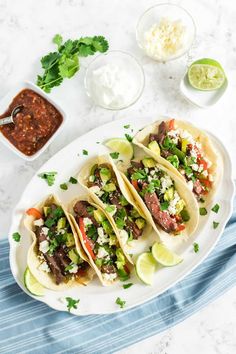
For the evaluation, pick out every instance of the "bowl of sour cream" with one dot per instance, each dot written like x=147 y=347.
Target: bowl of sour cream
x=114 y=80
x=165 y=32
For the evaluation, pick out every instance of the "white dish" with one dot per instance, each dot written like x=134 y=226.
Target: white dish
x=96 y=299
x=6 y=101
x=202 y=99
x=172 y=12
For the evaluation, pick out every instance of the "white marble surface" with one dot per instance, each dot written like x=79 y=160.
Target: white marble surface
x=26 y=29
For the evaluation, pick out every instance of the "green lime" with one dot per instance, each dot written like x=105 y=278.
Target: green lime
x=145 y=267
x=206 y=74
x=164 y=256
x=32 y=284
x=122 y=146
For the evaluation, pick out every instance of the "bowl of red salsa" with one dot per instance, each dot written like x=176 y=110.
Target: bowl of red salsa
x=36 y=125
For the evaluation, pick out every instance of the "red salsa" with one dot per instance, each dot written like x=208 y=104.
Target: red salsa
x=34 y=125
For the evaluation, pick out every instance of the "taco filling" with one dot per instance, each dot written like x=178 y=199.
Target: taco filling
x=100 y=241
x=185 y=154
x=56 y=245
x=103 y=182
x=158 y=192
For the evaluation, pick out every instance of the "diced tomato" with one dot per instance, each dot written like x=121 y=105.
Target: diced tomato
x=126 y=269
x=206 y=182
x=202 y=162
x=181 y=227
x=81 y=272
x=135 y=185
x=172 y=124
x=177 y=218
x=34 y=212
x=87 y=241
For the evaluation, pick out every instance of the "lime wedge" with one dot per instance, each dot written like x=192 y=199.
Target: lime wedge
x=206 y=74
x=145 y=267
x=32 y=284
x=121 y=145
x=164 y=256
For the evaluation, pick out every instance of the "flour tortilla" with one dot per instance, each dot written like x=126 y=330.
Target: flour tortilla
x=33 y=262
x=142 y=137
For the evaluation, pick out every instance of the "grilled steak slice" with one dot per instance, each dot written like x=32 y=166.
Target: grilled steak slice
x=137 y=165
x=165 y=153
x=198 y=188
x=134 y=229
x=80 y=208
x=162 y=218
x=51 y=260
x=153 y=137
x=109 y=268
x=62 y=258
x=115 y=199
x=162 y=132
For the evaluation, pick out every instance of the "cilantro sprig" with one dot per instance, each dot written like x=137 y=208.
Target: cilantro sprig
x=120 y=302
x=71 y=303
x=64 y=63
x=49 y=177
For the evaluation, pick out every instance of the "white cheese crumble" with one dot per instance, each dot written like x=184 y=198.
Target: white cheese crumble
x=102 y=253
x=112 y=209
x=152 y=172
x=172 y=204
x=44 y=267
x=194 y=167
x=109 y=277
x=174 y=135
x=45 y=230
x=102 y=237
x=210 y=177
x=96 y=190
x=124 y=236
x=87 y=221
x=190 y=185
x=166 y=182
x=74 y=268
x=39 y=222
x=44 y=246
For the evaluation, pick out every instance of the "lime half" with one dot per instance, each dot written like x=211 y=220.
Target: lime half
x=32 y=284
x=145 y=267
x=164 y=256
x=206 y=74
x=121 y=145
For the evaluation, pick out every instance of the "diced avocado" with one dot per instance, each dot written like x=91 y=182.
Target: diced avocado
x=93 y=169
x=46 y=210
x=140 y=223
x=98 y=262
x=185 y=215
x=134 y=213
x=105 y=174
x=73 y=255
x=107 y=227
x=179 y=206
x=70 y=241
x=123 y=201
x=99 y=216
x=148 y=162
x=184 y=145
x=61 y=223
x=169 y=194
x=110 y=187
x=112 y=240
x=180 y=154
x=153 y=146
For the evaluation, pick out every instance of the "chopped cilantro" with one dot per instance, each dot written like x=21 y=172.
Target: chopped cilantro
x=71 y=303
x=69 y=267
x=127 y=286
x=140 y=174
x=164 y=205
x=196 y=247
x=173 y=159
x=53 y=245
x=97 y=142
x=129 y=138
x=49 y=177
x=73 y=180
x=85 y=152
x=120 y=302
x=110 y=208
x=202 y=211
x=16 y=236
x=114 y=155
x=215 y=224
x=64 y=186
x=127 y=126
x=216 y=208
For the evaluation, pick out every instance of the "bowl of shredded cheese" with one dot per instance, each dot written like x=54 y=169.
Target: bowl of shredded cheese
x=165 y=32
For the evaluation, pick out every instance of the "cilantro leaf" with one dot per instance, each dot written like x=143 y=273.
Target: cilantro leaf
x=202 y=211
x=127 y=286
x=216 y=208
x=127 y=126
x=71 y=303
x=73 y=180
x=16 y=236
x=48 y=176
x=64 y=186
x=196 y=247
x=114 y=155
x=129 y=138
x=215 y=224
x=85 y=152
x=57 y=39
x=120 y=302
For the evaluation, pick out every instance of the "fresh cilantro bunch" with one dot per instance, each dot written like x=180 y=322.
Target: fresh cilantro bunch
x=65 y=62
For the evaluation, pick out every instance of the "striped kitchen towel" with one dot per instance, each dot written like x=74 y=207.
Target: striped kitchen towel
x=29 y=326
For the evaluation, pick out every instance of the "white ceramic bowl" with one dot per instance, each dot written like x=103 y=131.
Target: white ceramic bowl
x=6 y=101
x=173 y=13
x=120 y=59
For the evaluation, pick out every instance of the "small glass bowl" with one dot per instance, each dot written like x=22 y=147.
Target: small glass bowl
x=172 y=12
x=120 y=59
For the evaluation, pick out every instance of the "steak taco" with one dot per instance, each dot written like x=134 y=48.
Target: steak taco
x=106 y=187
x=163 y=197
x=186 y=150
x=99 y=241
x=55 y=258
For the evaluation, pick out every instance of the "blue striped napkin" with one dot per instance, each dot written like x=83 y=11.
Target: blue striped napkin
x=29 y=326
